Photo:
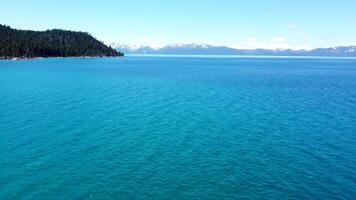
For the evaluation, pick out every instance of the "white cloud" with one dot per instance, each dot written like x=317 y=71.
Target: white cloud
x=291 y=26
x=236 y=46
x=276 y=42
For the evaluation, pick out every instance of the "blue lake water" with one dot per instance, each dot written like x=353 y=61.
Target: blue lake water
x=178 y=128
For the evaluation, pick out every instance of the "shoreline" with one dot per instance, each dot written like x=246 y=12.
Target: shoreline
x=35 y=58
x=18 y=58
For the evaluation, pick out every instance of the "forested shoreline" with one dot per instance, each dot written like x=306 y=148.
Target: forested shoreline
x=25 y=44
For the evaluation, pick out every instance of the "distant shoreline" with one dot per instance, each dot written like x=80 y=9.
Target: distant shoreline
x=236 y=56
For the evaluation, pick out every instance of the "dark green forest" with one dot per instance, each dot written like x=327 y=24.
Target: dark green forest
x=51 y=43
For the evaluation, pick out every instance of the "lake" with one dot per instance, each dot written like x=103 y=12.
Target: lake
x=176 y=127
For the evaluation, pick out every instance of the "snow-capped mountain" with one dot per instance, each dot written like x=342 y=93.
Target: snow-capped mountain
x=204 y=49
x=184 y=49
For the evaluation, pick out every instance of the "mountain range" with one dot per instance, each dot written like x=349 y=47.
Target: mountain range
x=203 y=49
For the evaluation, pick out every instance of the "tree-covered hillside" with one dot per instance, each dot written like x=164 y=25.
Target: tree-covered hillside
x=51 y=43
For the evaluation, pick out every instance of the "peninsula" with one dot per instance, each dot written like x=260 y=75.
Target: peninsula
x=26 y=44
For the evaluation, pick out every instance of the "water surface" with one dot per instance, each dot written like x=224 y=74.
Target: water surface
x=178 y=128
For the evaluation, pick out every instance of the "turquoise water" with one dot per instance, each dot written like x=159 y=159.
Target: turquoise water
x=178 y=128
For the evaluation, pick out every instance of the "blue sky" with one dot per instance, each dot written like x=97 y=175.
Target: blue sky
x=234 y=23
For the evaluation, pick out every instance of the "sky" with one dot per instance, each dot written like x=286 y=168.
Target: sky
x=300 y=24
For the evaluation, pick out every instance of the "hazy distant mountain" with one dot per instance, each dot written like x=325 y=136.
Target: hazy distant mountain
x=202 y=49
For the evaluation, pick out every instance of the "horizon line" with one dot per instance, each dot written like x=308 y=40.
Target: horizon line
x=135 y=47
x=238 y=56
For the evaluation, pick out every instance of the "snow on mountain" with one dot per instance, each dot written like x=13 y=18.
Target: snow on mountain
x=204 y=49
